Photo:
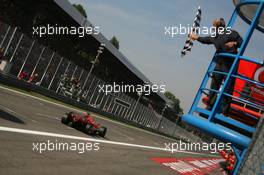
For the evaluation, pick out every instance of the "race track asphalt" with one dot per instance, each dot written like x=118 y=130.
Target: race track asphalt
x=116 y=156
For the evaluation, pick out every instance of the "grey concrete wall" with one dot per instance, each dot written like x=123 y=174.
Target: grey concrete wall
x=254 y=161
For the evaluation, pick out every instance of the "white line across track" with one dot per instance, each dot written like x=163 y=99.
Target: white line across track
x=49 y=134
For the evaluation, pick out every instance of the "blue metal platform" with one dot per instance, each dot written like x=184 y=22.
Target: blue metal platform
x=213 y=121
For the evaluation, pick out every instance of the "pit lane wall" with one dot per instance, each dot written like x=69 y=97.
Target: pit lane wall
x=33 y=67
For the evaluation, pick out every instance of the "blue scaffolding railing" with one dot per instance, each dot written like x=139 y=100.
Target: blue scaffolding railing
x=213 y=121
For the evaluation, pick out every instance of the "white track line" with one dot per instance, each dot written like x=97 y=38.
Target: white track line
x=78 y=110
x=41 y=133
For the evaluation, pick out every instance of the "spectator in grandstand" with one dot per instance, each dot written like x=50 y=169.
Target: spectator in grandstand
x=73 y=84
x=64 y=82
x=78 y=88
x=228 y=41
x=64 y=78
x=23 y=75
x=33 y=78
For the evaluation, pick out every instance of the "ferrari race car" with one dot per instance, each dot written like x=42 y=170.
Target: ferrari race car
x=84 y=122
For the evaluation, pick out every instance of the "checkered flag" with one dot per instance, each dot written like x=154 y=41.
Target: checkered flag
x=196 y=24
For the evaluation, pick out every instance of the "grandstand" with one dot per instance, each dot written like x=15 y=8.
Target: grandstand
x=43 y=61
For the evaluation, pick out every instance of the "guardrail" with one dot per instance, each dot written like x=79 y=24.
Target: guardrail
x=168 y=128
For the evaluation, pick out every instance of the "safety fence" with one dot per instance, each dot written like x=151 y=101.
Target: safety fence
x=39 y=65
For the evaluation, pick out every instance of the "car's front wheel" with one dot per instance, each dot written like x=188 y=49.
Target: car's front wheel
x=102 y=131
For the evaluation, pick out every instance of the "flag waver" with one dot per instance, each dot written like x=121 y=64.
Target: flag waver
x=196 y=24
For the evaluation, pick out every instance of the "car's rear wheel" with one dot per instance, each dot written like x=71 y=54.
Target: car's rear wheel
x=102 y=131
x=64 y=120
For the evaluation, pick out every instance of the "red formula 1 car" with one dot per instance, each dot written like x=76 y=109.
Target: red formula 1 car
x=84 y=122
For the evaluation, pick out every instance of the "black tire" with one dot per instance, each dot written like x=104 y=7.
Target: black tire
x=88 y=129
x=64 y=120
x=102 y=131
